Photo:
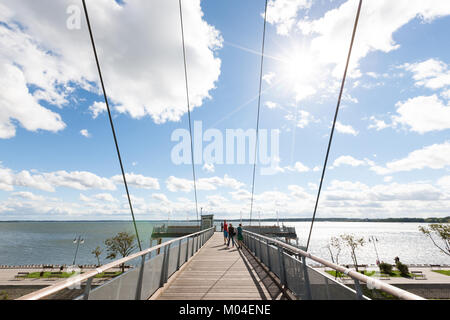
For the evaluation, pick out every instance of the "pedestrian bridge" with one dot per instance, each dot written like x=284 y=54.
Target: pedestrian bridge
x=200 y=267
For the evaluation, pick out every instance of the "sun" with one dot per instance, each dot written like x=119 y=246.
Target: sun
x=297 y=70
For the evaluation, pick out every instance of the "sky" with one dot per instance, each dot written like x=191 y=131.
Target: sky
x=390 y=155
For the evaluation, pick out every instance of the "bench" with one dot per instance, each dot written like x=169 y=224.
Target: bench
x=21 y=275
x=435 y=266
x=418 y=275
x=383 y=276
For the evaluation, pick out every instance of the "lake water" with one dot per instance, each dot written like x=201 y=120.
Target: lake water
x=52 y=242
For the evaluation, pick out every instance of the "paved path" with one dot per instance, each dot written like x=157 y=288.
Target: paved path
x=217 y=272
x=431 y=277
x=8 y=277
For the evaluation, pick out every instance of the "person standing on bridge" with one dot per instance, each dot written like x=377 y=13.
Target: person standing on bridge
x=240 y=238
x=231 y=234
x=225 y=231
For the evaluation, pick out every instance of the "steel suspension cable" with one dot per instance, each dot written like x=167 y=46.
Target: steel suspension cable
x=188 y=107
x=334 y=121
x=259 y=108
x=111 y=122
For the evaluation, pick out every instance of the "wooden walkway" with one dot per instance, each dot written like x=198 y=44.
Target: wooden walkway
x=220 y=273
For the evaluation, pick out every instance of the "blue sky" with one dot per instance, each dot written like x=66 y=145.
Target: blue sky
x=390 y=153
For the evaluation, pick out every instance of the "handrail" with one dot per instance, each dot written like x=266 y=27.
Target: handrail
x=374 y=283
x=45 y=292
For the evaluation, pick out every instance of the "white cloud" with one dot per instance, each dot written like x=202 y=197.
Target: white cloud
x=446 y=94
x=378 y=124
x=348 y=160
x=436 y=156
x=268 y=77
x=208 y=167
x=444 y=182
x=373 y=75
x=138 y=181
x=9 y=180
x=423 y=114
x=241 y=195
x=432 y=73
x=214 y=182
x=28 y=196
x=378 y=22
x=325 y=48
x=160 y=196
x=18 y=104
x=298 y=167
x=105 y=197
x=144 y=75
x=97 y=108
x=345 y=129
x=80 y=180
x=387 y=179
x=303 y=119
x=283 y=13
x=298 y=192
x=271 y=105
x=85 y=133
x=313 y=186
x=175 y=184
x=356 y=191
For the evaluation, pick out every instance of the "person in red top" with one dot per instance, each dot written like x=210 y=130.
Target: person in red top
x=225 y=231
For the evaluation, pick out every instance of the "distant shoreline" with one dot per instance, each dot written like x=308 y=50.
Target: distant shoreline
x=413 y=220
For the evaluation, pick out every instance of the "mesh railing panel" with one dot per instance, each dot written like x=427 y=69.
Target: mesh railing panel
x=173 y=260
x=122 y=287
x=183 y=253
x=152 y=276
x=294 y=272
x=291 y=270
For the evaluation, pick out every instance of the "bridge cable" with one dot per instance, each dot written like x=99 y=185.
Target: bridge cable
x=188 y=107
x=111 y=122
x=334 y=121
x=259 y=107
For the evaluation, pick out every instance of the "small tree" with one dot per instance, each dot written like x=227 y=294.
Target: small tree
x=97 y=252
x=335 y=243
x=3 y=295
x=385 y=267
x=353 y=243
x=439 y=230
x=123 y=243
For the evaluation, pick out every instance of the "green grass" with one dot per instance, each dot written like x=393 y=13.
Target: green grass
x=366 y=273
x=103 y=275
x=37 y=275
x=394 y=274
x=444 y=272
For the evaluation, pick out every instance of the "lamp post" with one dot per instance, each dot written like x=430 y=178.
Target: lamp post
x=373 y=240
x=201 y=213
x=77 y=241
x=259 y=214
x=278 y=220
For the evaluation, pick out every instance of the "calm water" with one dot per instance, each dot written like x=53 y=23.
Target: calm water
x=52 y=242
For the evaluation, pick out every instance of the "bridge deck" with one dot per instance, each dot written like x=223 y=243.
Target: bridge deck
x=218 y=273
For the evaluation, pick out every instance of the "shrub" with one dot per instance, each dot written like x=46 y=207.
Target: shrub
x=3 y=295
x=403 y=268
x=385 y=267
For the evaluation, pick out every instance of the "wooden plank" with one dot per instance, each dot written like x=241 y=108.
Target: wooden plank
x=217 y=273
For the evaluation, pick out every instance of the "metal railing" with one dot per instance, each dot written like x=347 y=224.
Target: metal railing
x=150 y=272
x=289 y=264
